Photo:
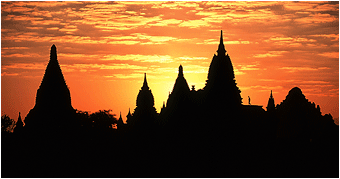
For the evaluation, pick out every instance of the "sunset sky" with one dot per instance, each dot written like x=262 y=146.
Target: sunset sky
x=104 y=49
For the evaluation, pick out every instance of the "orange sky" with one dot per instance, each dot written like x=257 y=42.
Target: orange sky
x=104 y=48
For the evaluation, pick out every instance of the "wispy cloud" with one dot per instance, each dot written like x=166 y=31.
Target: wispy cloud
x=270 y=54
x=294 y=69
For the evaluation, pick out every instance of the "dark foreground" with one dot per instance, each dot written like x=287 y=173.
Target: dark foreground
x=142 y=155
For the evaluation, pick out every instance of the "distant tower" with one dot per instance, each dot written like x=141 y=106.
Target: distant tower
x=180 y=91
x=163 y=107
x=221 y=84
x=145 y=98
x=271 y=104
x=128 y=117
x=53 y=107
x=19 y=125
x=120 y=123
x=145 y=113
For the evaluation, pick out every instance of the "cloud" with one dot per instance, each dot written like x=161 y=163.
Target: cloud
x=127 y=76
x=249 y=67
x=120 y=66
x=316 y=18
x=261 y=88
x=190 y=59
x=194 y=24
x=166 y=22
x=139 y=57
x=14 y=48
x=294 y=69
x=333 y=37
x=330 y=54
x=269 y=54
x=26 y=66
x=9 y=74
x=19 y=55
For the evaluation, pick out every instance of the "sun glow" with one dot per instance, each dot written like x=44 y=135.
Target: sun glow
x=104 y=48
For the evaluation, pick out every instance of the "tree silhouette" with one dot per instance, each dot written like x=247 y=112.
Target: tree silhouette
x=103 y=119
x=7 y=124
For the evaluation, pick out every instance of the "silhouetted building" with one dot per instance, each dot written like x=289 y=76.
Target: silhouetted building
x=299 y=119
x=128 y=117
x=163 y=107
x=53 y=110
x=145 y=114
x=271 y=103
x=179 y=111
x=221 y=85
x=178 y=98
x=19 y=126
x=120 y=123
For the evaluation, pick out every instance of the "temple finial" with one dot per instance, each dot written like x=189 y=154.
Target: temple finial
x=271 y=93
x=53 y=54
x=145 y=84
x=221 y=50
x=180 y=70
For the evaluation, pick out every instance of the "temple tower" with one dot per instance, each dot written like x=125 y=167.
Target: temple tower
x=271 y=104
x=180 y=91
x=221 y=84
x=145 y=113
x=19 y=125
x=53 y=107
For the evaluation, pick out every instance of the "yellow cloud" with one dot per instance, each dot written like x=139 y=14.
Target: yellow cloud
x=27 y=66
x=270 y=54
x=142 y=58
x=294 y=69
x=166 y=22
x=330 y=54
x=194 y=23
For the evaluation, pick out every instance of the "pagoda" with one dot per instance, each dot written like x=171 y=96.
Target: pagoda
x=145 y=113
x=271 y=103
x=221 y=84
x=53 y=107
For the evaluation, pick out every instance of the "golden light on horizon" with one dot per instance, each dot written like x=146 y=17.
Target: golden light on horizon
x=104 y=48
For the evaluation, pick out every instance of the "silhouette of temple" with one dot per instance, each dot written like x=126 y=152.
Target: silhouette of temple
x=221 y=84
x=198 y=133
x=19 y=126
x=271 y=103
x=300 y=119
x=53 y=109
x=144 y=115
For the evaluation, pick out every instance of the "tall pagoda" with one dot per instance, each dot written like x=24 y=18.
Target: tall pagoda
x=53 y=107
x=221 y=84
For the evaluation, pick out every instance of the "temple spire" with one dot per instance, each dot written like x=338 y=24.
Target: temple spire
x=271 y=103
x=145 y=84
x=19 y=125
x=180 y=70
x=221 y=50
x=271 y=93
x=53 y=55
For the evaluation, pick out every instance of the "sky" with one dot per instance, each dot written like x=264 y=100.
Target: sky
x=104 y=49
